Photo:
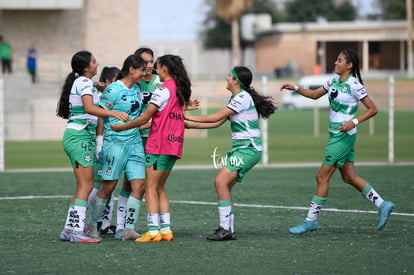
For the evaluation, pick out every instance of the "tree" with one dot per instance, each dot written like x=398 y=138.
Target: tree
x=311 y=11
x=392 y=9
x=216 y=32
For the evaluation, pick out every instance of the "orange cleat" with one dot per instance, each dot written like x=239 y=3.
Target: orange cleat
x=167 y=236
x=148 y=237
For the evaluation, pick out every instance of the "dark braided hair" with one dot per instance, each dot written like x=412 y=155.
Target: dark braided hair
x=352 y=57
x=80 y=61
x=264 y=104
x=178 y=72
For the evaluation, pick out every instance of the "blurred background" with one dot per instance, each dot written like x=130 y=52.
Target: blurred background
x=280 y=40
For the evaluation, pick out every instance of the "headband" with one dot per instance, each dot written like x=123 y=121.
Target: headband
x=233 y=72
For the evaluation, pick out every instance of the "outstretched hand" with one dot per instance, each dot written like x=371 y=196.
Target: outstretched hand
x=192 y=105
x=288 y=87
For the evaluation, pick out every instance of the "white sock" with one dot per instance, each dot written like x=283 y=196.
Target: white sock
x=106 y=217
x=225 y=214
x=69 y=219
x=372 y=196
x=165 y=222
x=79 y=215
x=121 y=212
x=232 y=220
x=315 y=207
x=153 y=223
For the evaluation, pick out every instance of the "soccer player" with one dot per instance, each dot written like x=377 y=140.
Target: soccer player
x=122 y=151
x=148 y=83
x=243 y=110
x=165 y=142
x=78 y=103
x=108 y=75
x=345 y=91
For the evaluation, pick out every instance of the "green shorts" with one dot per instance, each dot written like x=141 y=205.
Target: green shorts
x=340 y=149
x=97 y=170
x=144 y=141
x=242 y=160
x=160 y=162
x=80 y=147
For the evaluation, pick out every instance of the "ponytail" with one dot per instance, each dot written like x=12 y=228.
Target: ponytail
x=352 y=57
x=264 y=104
x=80 y=61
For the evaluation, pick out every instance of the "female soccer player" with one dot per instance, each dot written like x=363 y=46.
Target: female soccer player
x=108 y=75
x=345 y=90
x=78 y=103
x=165 y=142
x=243 y=110
x=122 y=151
x=148 y=83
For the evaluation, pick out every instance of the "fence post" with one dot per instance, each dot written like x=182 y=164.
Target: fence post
x=1 y=125
x=265 y=144
x=391 y=120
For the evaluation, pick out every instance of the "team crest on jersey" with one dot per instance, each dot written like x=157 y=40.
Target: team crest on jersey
x=109 y=104
x=99 y=172
x=88 y=157
x=109 y=171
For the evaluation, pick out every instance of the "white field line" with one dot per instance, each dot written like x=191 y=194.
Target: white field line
x=200 y=167
x=215 y=203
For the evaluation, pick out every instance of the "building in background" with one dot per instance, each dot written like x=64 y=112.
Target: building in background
x=382 y=46
x=59 y=28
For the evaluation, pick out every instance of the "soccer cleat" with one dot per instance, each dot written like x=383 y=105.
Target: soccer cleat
x=81 y=237
x=130 y=234
x=167 y=236
x=93 y=232
x=65 y=234
x=148 y=237
x=233 y=236
x=384 y=213
x=118 y=234
x=220 y=234
x=303 y=227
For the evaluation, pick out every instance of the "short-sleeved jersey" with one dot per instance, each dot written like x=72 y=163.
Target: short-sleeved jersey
x=245 y=121
x=343 y=98
x=78 y=118
x=147 y=88
x=160 y=97
x=118 y=97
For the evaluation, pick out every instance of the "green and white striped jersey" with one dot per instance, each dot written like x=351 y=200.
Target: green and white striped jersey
x=245 y=122
x=79 y=119
x=343 y=98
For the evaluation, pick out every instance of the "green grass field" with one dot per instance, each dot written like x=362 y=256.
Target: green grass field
x=269 y=201
x=291 y=139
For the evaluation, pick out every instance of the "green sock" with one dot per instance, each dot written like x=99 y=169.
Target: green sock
x=133 y=206
x=97 y=207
